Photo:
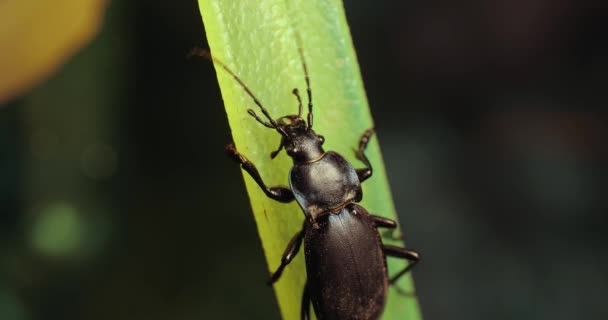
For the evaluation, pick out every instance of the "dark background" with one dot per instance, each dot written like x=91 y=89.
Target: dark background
x=117 y=201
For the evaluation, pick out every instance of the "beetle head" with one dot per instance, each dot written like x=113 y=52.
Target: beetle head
x=300 y=141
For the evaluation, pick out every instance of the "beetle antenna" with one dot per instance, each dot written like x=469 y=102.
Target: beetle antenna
x=306 y=77
x=207 y=55
x=265 y=123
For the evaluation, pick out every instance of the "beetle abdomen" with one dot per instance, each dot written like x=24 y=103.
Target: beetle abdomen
x=346 y=271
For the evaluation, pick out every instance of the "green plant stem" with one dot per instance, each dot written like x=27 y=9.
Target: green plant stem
x=256 y=39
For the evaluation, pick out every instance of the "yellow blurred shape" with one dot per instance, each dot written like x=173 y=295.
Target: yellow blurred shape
x=57 y=231
x=36 y=37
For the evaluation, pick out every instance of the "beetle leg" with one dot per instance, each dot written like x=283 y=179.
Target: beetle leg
x=282 y=194
x=305 y=307
x=364 y=173
x=290 y=252
x=412 y=256
x=382 y=222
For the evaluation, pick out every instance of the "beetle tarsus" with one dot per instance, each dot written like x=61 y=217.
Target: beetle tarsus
x=234 y=154
x=364 y=173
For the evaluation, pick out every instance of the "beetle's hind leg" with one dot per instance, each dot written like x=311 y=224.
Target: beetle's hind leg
x=290 y=252
x=279 y=193
x=364 y=173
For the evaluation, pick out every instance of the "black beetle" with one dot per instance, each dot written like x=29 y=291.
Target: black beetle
x=347 y=276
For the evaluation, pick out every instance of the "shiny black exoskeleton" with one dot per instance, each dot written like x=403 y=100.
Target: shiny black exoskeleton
x=347 y=276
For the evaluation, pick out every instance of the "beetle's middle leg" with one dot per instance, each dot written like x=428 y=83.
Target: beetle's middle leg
x=290 y=252
x=279 y=193
x=364 y=173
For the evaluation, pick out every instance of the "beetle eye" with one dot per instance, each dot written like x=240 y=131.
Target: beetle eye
x=321 y=139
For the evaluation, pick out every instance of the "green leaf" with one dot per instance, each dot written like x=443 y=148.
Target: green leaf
x=255 y=38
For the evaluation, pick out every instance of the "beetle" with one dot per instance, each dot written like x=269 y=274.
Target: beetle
x=347 y=275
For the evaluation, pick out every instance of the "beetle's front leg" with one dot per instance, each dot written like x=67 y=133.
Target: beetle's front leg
x=279 y=193
x=364 y=173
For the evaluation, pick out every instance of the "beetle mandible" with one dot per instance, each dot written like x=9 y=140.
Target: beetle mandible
x=347 y=276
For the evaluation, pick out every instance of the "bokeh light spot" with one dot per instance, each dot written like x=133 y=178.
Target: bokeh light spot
x=57 y=231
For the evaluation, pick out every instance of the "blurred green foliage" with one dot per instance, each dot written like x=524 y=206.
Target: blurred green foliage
x=492 y=132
